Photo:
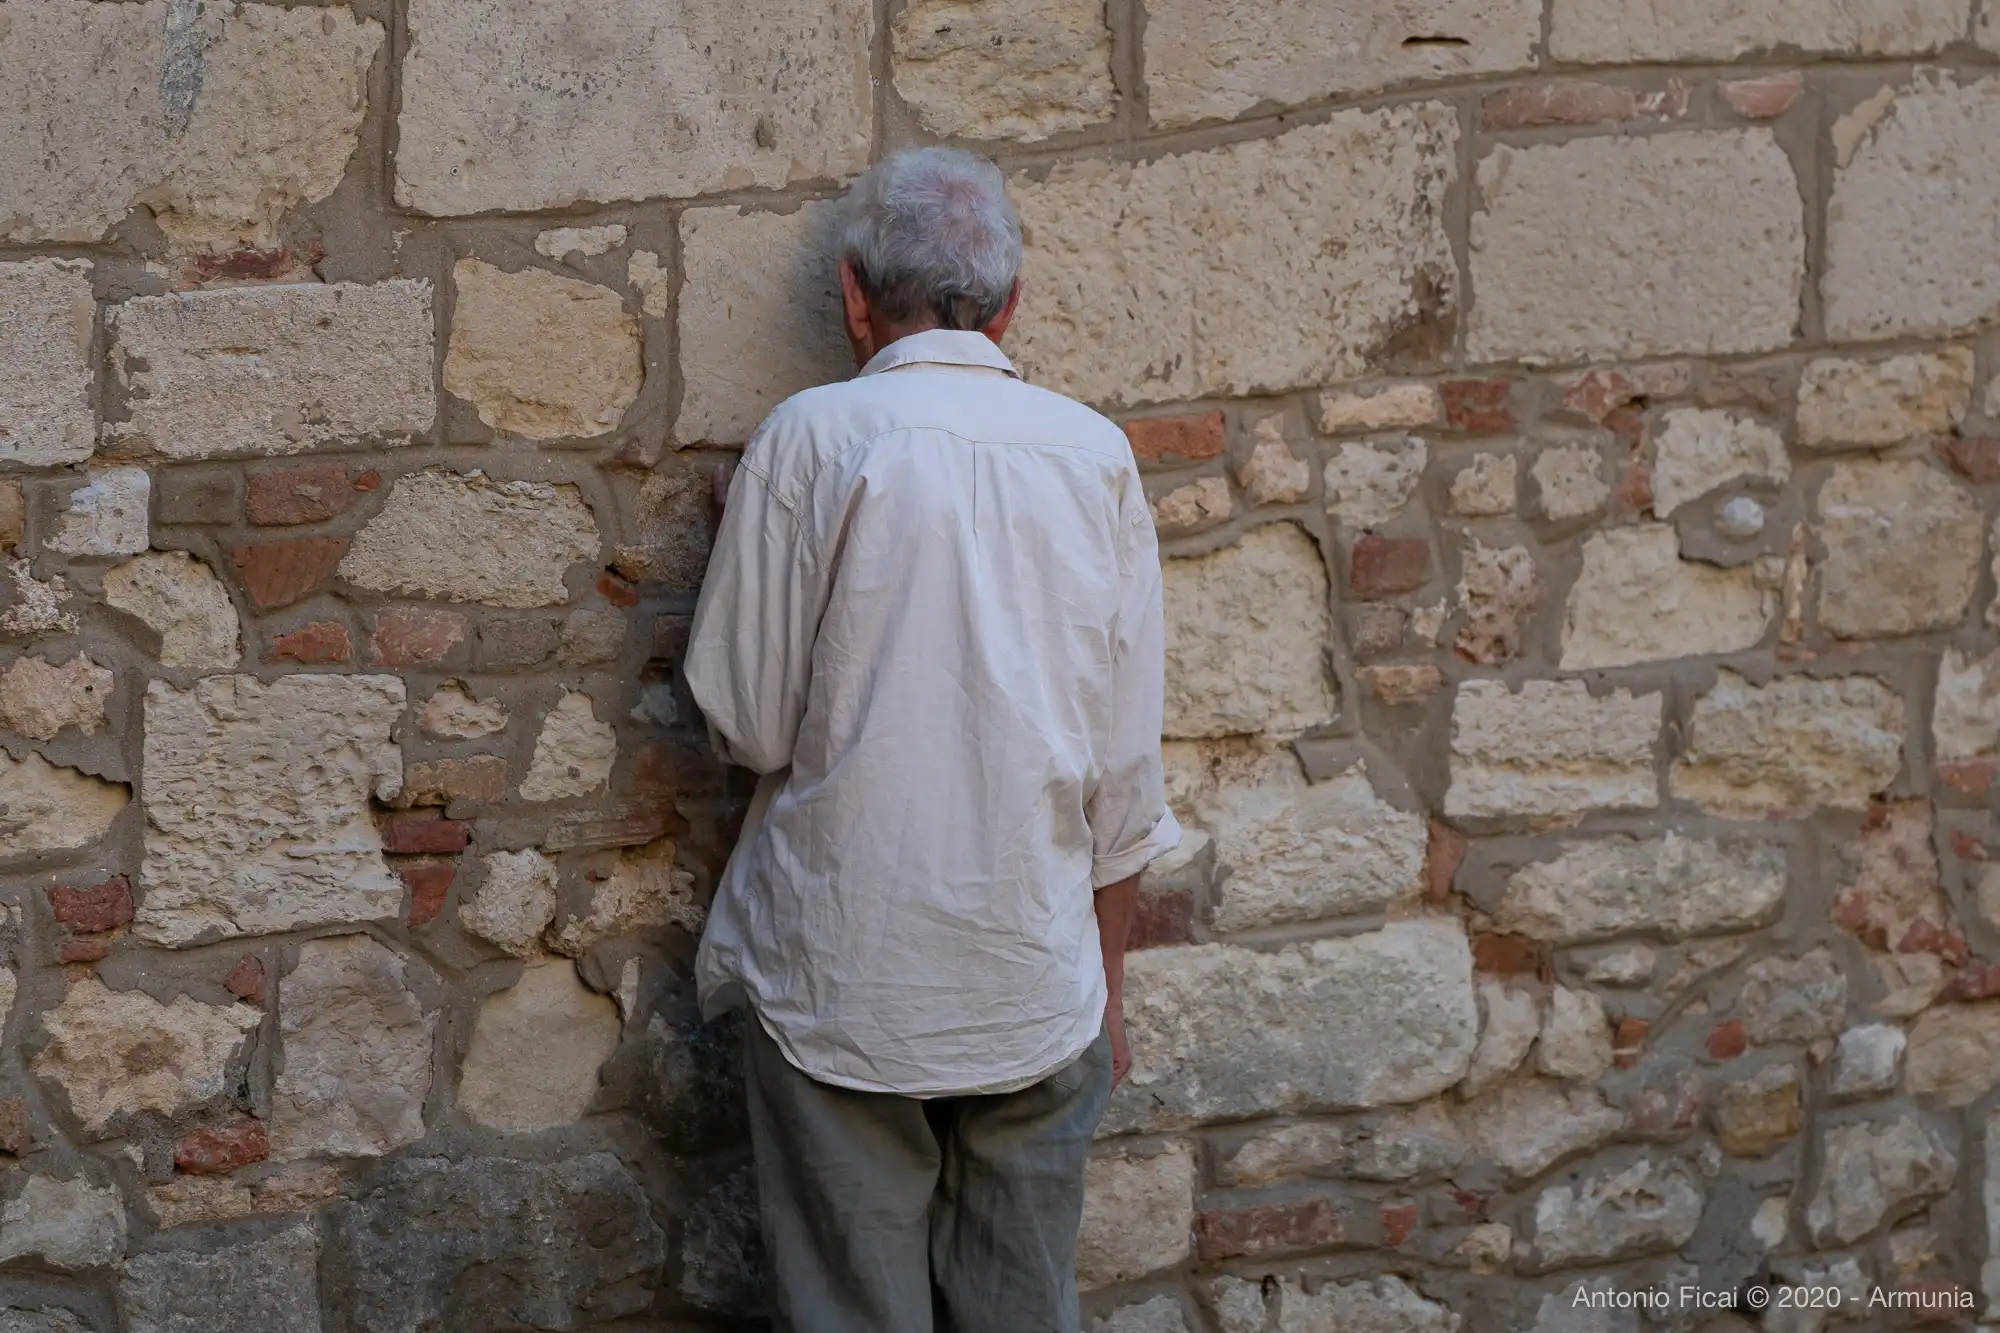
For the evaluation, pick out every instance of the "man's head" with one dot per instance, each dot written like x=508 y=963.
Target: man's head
x=928 y=240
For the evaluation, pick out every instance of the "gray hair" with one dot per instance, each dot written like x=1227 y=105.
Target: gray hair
x=930 y=231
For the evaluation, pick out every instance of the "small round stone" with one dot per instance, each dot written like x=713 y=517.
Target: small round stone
x=1740 y=519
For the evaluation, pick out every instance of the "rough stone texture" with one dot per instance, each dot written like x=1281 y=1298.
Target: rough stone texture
x=1699 y=451
x=1638 y=601
x=46 y=807
x=454 y=714
x=1195 y=505
x=120 y=1053
x=106 y=515
x=1156 y=285
x=1500 y=590
x=1486 y=488
x=1369 y=482
x=1510 y=1020
x=1381 y=407
x=1025 y=69
x=1551 y=750
x=1759 y=1113
x=1965 y=719
x=1847 y=404
x=515 y=903
x=466 y=537
x=1786 y=748
x=273 y=369
x=1271 y=587
x=1793 y=999
x=46 y=409
x=1138 y=1213
x=536 y=1049
x=1903 y=549
x=645 y=890
x=1954 y=1053
x=1380 y=1305
x=1875 y=1173
x=1575 y=1041
x=1649 y=267
x=39 y=700
x=70 y=1225
x=1605 y=31
x=1911 y=213
x=1273 y=474
x=1674 y=885
x=1221 y=1033
x=540 y=356
x=356 y=1053
x=1647 y=1207
x=1206 y=61
x=1528 y=1125
x=573 y=753
x=1162 y=1314
x=1867 y=1061
x=256 y=1284
x=257 y=804
x=180 y=599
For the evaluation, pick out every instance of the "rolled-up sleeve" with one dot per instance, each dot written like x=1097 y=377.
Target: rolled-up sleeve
x=1130 y=824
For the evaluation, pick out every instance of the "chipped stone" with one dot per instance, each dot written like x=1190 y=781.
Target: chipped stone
x=1510 y=1020
x=1789 y=747
x=1757 y=1114
x=1526 y=1126
x=644 y=891
x=1954 y=1053
x=46 y=311
x=1500 y=591
x=47 y=807
x=180 y=599
x=1195 y=505
x=1903 y=544
x=70 y=1225
x=38 y=700
x=1675 y=885
x=536 y=1050
x=1799 y=1000
x=515 y=902
x=1369 y=482
x=1571 y=481
x=1965 y=717
x=541 y=356
x=1698 y=451
x=561 y=242
x=1273 y=474
x=1616 y=1213
x=573 y=752
x=1618 y=31
x=454 y=714
x=357 y=1053
x=1138 y=1215
x=1874 y=1173
x=1876 y=404
x=122 y=1053
x=1867 y=1061
x=1288 y=1150
x=1552 y=750
x=1024 y=69
x=1384 y=407
x=107 y=515
x=1575 y=1041
x=1486 y=488
x=1638 y=601
x=253 y=1284
x=465 y=537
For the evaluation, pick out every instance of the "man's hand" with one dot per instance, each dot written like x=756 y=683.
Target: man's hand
x=1121 y=1050
x=1116 y=905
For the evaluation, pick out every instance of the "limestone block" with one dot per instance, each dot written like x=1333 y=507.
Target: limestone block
x=181 y=600
x=1867 y=1061
x=1369 y=481
x=221 y=124
x=1757 y=1114
x=671 y=524
x=70 y=1225
x=1162 y=1314
x=258 y=815
x=252 y=1285
x=1288 y=1150
x=1911 y=215
x=1614 y=248
x=1486 y=488
x=277 y=369
x=1875 y=404
x=465 y=537
x=38 y=700
x=1527 y=1125
x=1273 y=474
x=561 y=242
x=1510 y=1020
x=1698 y=451
x=1954 y=1053
x=1575 y=1041
x=198 y=1200
x=1382 y=407
x=536 y=1050
x=14 y=1319
x=1261 y=266
x=722 y=1253
x=1570 y=478
x=455 y=715
x=1382 y=1305
x=644 y=891
x=1222 y=1033
x=1499 y=590
x=1673 y=885
x=1209 y=62
x=1618 y=31
x=1019 y=69
x=37 y=607
x=119 y=1053
x=1785 y=999
x=1612 y=1213
x=1638 y=601
x=1271 y=589
x=1875 y=1173
x=1965 y=719
x=46 y=807
x=515 y=902
x=356 y=1053
x=1195 y=505
x=1551 y=751
x=46 y=312
x=1138 y=1216
x=1783 y=749
x=107 y=515
x=1903 y=545
x=542 y=357
x=573 y=752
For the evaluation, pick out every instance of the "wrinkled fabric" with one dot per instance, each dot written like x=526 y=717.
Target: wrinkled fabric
x=932 y=622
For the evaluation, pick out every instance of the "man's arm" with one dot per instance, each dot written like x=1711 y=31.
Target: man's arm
x=1116 y=905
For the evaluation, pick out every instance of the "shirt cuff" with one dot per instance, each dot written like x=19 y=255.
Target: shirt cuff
x=1165 y=836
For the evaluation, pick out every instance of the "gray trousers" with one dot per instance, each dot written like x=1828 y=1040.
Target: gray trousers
x=887 y=1214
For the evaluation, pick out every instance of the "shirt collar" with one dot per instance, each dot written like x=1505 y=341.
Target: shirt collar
x=941 y=347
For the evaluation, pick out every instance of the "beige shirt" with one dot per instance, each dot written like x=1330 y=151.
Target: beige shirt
x=932 y=622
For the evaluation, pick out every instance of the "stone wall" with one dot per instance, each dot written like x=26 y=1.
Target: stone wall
x=1577 y=436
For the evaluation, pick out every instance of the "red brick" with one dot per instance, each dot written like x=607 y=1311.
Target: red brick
x=321 y=643
x=83 y=951
x=208 y=1151
x=422 y=833
x=1398 y=1221
x=1187 y=438
x=1164 y=917
x=247 y=981
x=1442 y=858
x=91 y=911
x=1976 y=459
x=616 y=590
x=1974 y=777
x=407 y=636
x=673 y=768
x=370 y=480
x=1509 y=955
x=1629 y=1041
x=670 y=637
x=626 y=824
x=1966 y=847
x=1981 y=982
x=1477 y=407
x=1267 y=1229
x=307 y=493
x=1600 y=393
x=429 y=880
x=479 y=778
x=252 y=265
x=1472 y=1206
x=1764 y=98
x=14 y=1137
x=1384 y=566
x=277 y=574
x=1728 y=1040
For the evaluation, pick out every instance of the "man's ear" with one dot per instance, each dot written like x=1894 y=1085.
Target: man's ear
x=996 y=328
x=854 y=313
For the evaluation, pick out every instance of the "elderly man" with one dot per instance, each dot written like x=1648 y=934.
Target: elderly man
x=932 y=623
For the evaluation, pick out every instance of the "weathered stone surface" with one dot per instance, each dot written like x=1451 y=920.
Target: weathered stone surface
x=180 y=599
x=1965 y=717
x=13 y=1319
x=515 y=902
x=1638 y=601
x=453 y=713
x=1273 y=474
x=37 y=607
x=1369 y=482
x=45 y=807
x=1891 y=899
x=1575 y=1041
x=257 y=804
x=200 y=1200
x=1673 y=885
x=1903 y=545
x=1867 y=1061
x=251 y=1286
x=117 y=1053
x=1911 y=216
x=1648 y=266
x=1954 y=1053
x=1875 y=404
x=70 y=1225
x=220 y=138
x=1024 y=69
x=1500 y=591
x=645 y=890
x=1195 y=505
x=573 y=752
x=1162 y=1314
x=46 y=310
x=1799 y=1000
x=1207 y=61
x=1608 y=31
x=356 y=1053
x=1382 y=407
x=1697 y=451
x=1876 y=1172
x=480 y=129
x=39 y=700
x=1510 y=1020
x=465 y=537
x=1551 y=750
x=273 y=369
x=1221 y=1033
x=561 y=242
x=1154 y=284
x=1385 y=1304
x=1138 y=1216
x=1486 y=488
x=536 y=1050
x=1786 y=748
x=1644 y=1208
x=672 y=522
x=722 y=1250
x=1757 y=1114
x=1526 y=1126
x=107 y=515
x=504 y=1243
x=1271 y=588
x=540 y=356
x=1288 y=1150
